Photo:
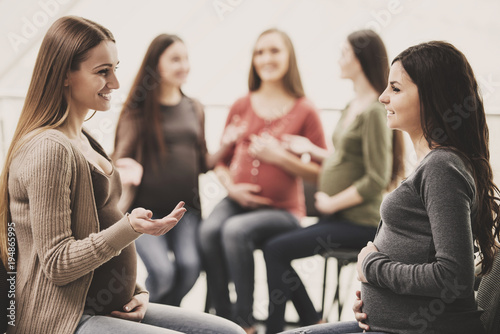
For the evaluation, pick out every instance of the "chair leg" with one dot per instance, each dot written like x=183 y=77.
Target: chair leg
x=336 y=298
x=208 y=300
x=337 y=289
x=322 y=312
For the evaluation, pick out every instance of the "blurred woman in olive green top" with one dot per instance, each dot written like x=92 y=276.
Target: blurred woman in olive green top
x=367 y=160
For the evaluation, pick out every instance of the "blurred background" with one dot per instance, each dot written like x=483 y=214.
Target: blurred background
x=220 y=34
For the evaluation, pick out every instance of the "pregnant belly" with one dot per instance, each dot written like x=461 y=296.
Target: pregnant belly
x=274 y=183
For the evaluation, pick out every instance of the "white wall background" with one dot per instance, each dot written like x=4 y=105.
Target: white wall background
x=220 y=35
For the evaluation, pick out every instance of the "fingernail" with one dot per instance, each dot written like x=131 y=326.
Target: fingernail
x=126 y=308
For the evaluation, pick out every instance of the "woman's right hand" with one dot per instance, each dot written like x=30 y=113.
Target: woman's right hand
x=141 y=221
x=358 y=313
x=245 y=195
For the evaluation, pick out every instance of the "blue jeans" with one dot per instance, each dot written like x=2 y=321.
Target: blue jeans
x=170 y=280
x=228 y=238
x=284 y=283
x=349 y=327
x=159 y=319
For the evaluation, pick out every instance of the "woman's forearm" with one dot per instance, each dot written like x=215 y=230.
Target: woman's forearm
x=213 y=159
x=294 y=165
x=343 y=200
x=346 y=199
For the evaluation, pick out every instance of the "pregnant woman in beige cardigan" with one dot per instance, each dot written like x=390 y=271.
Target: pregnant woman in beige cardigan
x=76 y=261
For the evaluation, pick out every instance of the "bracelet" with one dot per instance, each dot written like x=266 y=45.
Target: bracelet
x=128 y=218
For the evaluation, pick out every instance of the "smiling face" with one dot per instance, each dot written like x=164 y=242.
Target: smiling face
x=91 y=85
x=402 y=101
x=173 y=64
x=349 y=64
x=271 y=57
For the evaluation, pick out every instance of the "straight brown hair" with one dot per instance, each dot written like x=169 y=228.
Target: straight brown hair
x=372 y=55
x=64 y=47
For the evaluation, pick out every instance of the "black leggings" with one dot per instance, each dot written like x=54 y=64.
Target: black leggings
x=284 y=283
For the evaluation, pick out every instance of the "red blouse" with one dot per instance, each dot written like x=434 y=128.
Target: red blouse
x=284 y=189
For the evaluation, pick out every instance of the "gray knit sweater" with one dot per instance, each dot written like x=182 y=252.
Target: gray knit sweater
x=59 y=239
x=421 y=280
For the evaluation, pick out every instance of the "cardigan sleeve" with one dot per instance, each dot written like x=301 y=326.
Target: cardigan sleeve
x=377 y=155
x=139 y=289
x=47 y=177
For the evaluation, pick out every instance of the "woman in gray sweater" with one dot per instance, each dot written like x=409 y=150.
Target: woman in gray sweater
x=418 y=274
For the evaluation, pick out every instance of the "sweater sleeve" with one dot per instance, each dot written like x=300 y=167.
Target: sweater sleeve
x=202 y=143
x=139 y=289
x=377 y=155
x=447 y=193
x=47 y=176
x=127 y=135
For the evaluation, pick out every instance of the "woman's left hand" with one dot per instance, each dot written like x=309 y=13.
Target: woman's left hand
x=369 y=248
x=130 y=171
x=324 y=203
x=233 y=132
x=135 y=309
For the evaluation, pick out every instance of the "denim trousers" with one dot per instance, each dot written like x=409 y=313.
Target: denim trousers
x=228 y=238
x=284 y=283
x=348 y=327
x=170 y=278
x=159 y=319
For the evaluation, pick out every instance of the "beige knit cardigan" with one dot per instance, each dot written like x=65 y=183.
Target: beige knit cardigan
x=57 y=228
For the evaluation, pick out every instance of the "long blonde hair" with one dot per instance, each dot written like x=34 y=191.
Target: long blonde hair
x=64 y=47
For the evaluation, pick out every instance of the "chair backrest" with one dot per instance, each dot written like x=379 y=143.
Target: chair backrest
x=488 y=298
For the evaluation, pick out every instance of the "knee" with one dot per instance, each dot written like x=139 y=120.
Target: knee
x=268 y=251
x=273 y=251
x=234 y=233
x=189 y=267
x=161 y=271
x=209 y=234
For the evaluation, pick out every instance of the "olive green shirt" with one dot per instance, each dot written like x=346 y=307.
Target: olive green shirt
x=363 y=158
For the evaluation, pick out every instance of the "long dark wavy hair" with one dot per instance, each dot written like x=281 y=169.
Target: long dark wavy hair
x=143 y=99
x=372 y=55
x=452 y=116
